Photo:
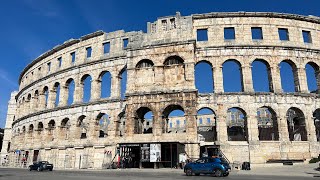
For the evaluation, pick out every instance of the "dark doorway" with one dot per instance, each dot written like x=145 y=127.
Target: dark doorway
x=209 y=151
x=35 y=155
x=130 y=155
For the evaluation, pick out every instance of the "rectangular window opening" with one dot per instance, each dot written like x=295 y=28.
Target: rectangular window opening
x=60 y=61
x=306 y=37
x=229 y=33
x=89 y=51
x=73 y=57
x=125 y=42
x=106 y=48
x=256 y=33
x=283 y=34
x=49 y=66
x=202 y=34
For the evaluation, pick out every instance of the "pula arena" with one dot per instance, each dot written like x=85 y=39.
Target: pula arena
x=49 y=118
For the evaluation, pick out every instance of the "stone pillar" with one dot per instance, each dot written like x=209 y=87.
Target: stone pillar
x=158 y=79
x=113 y=118
x=115 y=85
x=283 y=125
x=218 y=79
x=301 y=81
x=95 y=90
x=310 y=126
x=157 y=124
x=252 y=125
x=247 y=78
x=191 y=129
x=34 y=103
x=63 y=101
x=221 y=125
x=51 y=99
x=276 y=78
x=42 y=101
x=78 y=93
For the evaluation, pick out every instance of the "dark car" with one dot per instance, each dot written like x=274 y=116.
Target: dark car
x=207 y=165
x=40 y=166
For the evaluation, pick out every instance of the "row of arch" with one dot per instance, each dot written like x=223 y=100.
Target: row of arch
x=236 y=122
x=261 y=76
x=233 y=80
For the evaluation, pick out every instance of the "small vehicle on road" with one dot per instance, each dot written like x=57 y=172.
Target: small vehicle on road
x=208 y=165
x=40 y=166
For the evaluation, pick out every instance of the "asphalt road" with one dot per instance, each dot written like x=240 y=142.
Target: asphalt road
x=123 y=174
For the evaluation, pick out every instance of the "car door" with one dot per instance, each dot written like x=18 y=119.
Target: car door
x=208 y=165
x=198 y=167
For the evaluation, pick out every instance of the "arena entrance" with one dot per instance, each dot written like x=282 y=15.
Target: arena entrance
x=153 y=155
x=210 y=151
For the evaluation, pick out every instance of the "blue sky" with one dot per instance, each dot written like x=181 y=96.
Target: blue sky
x=31 y=27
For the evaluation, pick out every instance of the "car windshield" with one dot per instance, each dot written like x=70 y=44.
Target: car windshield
x=44 y=162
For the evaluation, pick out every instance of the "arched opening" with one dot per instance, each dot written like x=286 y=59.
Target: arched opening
x=51 y=124
x=46 y=95
x=51 y=127
x=123 y=82
x=144 y=63
x=296 y=125
x=29 y=97
x=83 y=127
x=237 y=124
x=316 y=117
x=312 y=73
x=289 y=76
x=31 y=128
x=103 y=122
x=206 y=122
x=232 y=76
x=143 y=121
x=36 y=98
x=56 y=89
x=105 y=79
x=86 y=83
x=173 y=119
x=173 y=60
x=40 y=126
x=70 y=87
x=121 y=124
x=204 y=77
x=267 y=124
x=144 y=68
x=173 y=71
x=23 y=129
x=65 y=128
x=261 y=76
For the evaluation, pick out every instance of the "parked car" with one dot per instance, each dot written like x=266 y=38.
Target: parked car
x=208 y=165
x=40 y=166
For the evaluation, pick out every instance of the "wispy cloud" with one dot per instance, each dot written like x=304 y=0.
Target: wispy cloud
x=45 y=8
x=4 y=75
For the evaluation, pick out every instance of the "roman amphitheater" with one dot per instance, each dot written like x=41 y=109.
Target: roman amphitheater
x=83 y=104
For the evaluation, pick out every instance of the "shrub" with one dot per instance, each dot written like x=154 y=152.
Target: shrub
x=314 y=160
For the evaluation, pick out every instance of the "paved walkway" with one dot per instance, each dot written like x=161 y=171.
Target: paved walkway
x=302 y=170
x=298 y=170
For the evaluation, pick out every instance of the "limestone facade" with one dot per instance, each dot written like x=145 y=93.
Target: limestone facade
x=160 y=66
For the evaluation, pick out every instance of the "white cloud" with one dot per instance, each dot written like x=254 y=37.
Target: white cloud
x=5 y=77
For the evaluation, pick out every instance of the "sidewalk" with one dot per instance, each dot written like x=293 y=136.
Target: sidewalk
x=301 y=170
x=298 y=170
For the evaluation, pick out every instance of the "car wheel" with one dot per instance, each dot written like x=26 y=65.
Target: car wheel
x=50 y=169
x=30 y=169
x=189 y=172
x=197 y=174
x=38 y=169
x=226 y=174
x=218 y=173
